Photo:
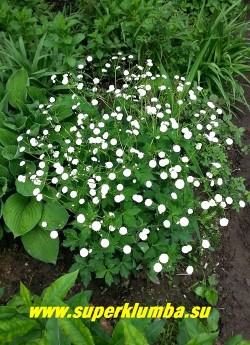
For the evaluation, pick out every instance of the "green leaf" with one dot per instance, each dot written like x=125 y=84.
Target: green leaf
x=41 y=246
x=21 y=214
x=211 y=296
x=213 y=320
x=127 y=334
x=144 y=246
x=204 y=339
x=76 y=331
x=236 y=340
x=10 y=152
x=200 y=291
x=154 y=330
x=7 y=137
x=3 y=186
x=17 y=87
x=14 y=327
x=59 y=288
x=25 y=295
x=54 y=215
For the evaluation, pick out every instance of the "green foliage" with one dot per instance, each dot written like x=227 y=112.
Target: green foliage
x=17 y=327
x=207 y=290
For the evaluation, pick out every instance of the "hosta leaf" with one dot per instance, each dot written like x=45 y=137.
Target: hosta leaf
x=7 y=137
x=21 y=214
x=59 y=288
x=54 y=215
x=17 y=87
x=41 y=246
x=10 y=152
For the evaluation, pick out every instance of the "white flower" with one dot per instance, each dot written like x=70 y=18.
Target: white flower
x=54 y=234
x=84 y=252
x=39 y=197
x=96 y=225
x=205 y=244
x=164 y=258
x=52 y=99
x=36 y=191
x=127 y=249
x=119 y=198
x=186 y=249
x=44 y=224
x=148 y=202
x=89 y=58
x=21 y=178
x=184 y=221
x=81 y=218
x=211 y=105
x=94 y=102
x=242 y=203
x=163 y=162
x=157 y=267
x=205 y=205
x=137 y=198
x=163 y=175
x=123 y=230
x=105 y=243
x=189 y=270
x=229 y=200
x=119 y=153
x=112 y=176
x=149 y=184
x=229 y=141
x=218 y=198
x=224 y=221
x=179 y=184
x=73 y=194
x=176 y=148
x=141 y=92
x=174 y=195
x=161 y=208
x=96 y=80
x=152 y=163
x=166 y=224
x=108 y=165
x=143 y=236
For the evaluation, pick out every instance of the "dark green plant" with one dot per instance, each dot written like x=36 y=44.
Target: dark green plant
x=17 y=328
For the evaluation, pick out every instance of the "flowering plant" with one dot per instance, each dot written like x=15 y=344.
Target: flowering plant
x=130 y=167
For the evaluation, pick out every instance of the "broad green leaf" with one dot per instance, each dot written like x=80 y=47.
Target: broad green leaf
x=10 y=152
x=59 y=288
x=17 y=87
x=76 y=331
x=41 y=246
x=21 y=214
x=4 y=172
x=126 y=334
x=200 y=291
x=211 y=296
x=213 y=320
x=154 y=330
x=36 y=94
x=7 y=137
x=204 y=339
x=14 y=327
x=55 y=216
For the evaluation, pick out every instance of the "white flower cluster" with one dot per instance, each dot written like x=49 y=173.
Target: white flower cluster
x=104 y=157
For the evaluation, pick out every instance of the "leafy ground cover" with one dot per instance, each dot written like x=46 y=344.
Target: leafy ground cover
x=127 y=162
